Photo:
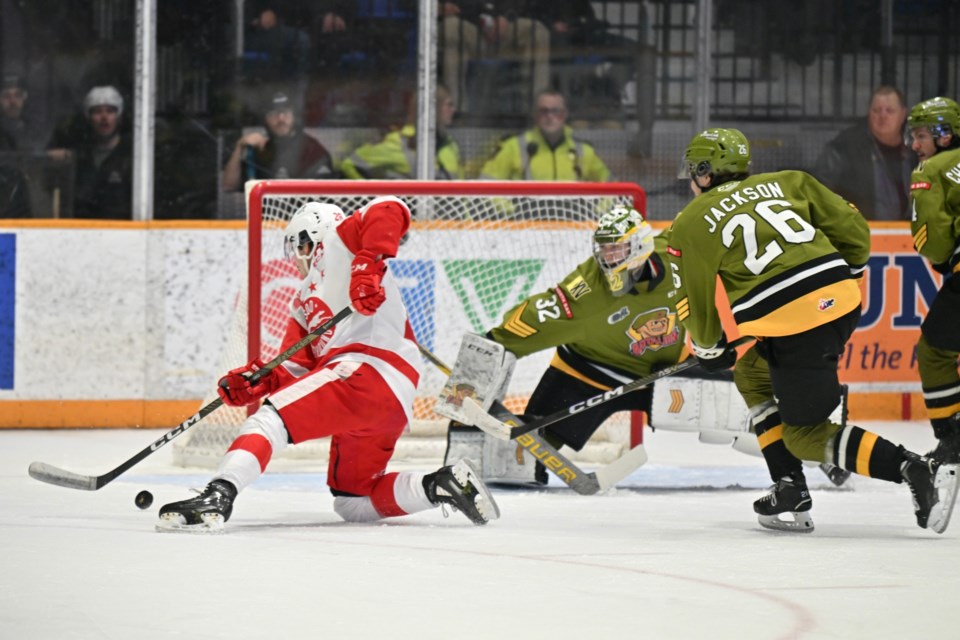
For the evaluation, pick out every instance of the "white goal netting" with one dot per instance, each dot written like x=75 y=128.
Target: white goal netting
x=475 y=249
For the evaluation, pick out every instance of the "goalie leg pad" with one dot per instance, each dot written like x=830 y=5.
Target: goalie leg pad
x=692 y=404
x=464 y=442
x=482 y=372
x=506 y=462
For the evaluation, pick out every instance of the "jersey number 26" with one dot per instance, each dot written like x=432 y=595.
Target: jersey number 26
x=782 y=221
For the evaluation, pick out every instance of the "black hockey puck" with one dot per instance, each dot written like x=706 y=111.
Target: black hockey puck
x=144 y=499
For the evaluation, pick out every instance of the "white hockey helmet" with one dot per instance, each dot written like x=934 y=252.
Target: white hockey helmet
x=621 y=245
x=308 y=226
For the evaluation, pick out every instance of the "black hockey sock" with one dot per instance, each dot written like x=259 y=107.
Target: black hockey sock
x=867 y=454
x=780 y=462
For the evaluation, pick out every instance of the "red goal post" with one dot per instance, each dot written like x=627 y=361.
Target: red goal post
x=475 y=249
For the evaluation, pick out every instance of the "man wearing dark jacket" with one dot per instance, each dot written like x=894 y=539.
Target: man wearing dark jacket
x=868 y=163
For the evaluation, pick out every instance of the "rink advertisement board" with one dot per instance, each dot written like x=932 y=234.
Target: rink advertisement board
x=103 y=321
x=898 y=288
x=8 y=301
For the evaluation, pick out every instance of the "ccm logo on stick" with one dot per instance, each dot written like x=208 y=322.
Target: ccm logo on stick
x=603 y=397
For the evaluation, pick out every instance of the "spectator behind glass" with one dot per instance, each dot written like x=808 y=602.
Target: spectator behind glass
x=273 y=49
x=507 y=30
x=868 y=163
x=285 y=151
x=16 y=128
x=103 y=185
x=548 y=151
x=396 y=155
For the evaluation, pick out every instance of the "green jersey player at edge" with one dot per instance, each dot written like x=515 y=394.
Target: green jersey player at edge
x=787 y=251
x=934 y=126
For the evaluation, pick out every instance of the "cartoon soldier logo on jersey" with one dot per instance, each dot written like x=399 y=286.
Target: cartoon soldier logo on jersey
x=653 y=330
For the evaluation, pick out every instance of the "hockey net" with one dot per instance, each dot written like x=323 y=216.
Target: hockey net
x=475 y=250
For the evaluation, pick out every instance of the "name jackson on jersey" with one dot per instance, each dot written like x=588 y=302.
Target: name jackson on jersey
x=738 y=198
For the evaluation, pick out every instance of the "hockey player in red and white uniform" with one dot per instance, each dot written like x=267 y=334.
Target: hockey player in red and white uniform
x=356 y=383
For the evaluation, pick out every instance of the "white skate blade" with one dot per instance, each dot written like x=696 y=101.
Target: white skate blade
x=175 y=523
x=946 y=484
x=466 y=471
x=801 y=523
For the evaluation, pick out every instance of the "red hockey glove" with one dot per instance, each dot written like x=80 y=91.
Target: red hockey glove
x=366 y=294
x=235 y=388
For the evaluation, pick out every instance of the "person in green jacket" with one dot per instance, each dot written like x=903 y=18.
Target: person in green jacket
x=549 y=151
x=935 y=223
x=396 y=155
x=788 y=252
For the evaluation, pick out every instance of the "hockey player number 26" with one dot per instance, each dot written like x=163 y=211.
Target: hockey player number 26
x=784 y=221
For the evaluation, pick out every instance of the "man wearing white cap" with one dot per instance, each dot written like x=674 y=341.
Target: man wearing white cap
x=104 y=165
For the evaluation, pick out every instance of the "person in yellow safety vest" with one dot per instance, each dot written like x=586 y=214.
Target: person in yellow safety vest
x=395 y=156
x=548 y=151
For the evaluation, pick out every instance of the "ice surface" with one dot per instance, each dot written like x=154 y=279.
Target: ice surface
x=674 y=552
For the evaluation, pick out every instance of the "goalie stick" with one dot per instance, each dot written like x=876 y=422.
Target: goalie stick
x=583 y=482
x=62 y=478
x=499 y=429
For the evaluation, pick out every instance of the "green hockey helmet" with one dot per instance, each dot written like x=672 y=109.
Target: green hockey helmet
x=941 y=116
x=621 y=245
x=719 y=153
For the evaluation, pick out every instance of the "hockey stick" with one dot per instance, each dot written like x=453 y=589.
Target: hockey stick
x=62 y=478
x=583 y=482
x=500 y=429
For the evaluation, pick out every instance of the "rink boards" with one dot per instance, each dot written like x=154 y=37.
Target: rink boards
x=123 y=323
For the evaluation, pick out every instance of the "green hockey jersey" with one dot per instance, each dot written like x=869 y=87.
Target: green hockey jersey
x=935 y=215
x=602 y=339
x=786 y=250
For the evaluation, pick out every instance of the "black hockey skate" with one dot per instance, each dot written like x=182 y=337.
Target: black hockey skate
x=206 y=513
x=788 y=496
x=460 y=487
x=934 y=489
x=947 y=450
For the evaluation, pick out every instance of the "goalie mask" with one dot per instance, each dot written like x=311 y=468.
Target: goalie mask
x=621 y=245
x=304 y=234
x=723 y=154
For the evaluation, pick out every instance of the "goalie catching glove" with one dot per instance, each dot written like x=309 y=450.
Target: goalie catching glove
x=236 y=390
x=366 y=293
x=716 y=358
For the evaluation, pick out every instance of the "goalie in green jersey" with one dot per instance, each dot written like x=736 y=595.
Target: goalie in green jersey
x=788 y=253
x=612 y=319
x=935 y=223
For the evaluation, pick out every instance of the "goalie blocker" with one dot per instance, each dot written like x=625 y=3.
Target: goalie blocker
x=482 y=371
